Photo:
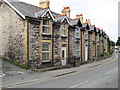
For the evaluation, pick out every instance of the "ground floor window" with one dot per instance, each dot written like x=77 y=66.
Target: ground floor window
x=77 y=50
x=45 y=51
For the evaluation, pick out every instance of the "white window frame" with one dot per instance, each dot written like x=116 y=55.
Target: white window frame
x=77 y=32
x=46 y=26
x=63 y=29
x=45 y=51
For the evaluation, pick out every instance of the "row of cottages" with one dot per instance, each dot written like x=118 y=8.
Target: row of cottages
x=39 y=38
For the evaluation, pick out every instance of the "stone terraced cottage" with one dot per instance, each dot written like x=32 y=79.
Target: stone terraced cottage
x=38 y=37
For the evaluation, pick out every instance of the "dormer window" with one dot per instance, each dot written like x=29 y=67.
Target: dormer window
x=46 y=26
x=63 y=29
x=77 y=33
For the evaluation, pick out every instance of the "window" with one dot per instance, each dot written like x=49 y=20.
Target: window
x=64 y=29
x=46 y=26
x=77 y=50
x=77 y=33
x=85 y=35
x=45 y=51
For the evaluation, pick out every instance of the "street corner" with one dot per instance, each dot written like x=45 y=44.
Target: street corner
x=10 y=70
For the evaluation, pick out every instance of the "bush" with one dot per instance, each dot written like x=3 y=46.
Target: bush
x=105 y=53
x=102 y=55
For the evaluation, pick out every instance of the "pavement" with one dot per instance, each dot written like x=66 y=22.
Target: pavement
x=13 y=75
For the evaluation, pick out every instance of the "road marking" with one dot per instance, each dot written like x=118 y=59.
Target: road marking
x=111 y=71
x=50 y=78
x=79 y=84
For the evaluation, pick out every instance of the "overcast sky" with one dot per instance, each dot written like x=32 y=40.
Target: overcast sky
x=102 y=13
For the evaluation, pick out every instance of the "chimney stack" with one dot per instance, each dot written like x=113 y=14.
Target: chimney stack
x=89 y=22
x=80 y=17
x=44 y=3
x=66 y=11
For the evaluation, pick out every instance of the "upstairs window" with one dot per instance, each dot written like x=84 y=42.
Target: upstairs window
x=85 y=35
x=77 y=33
x=45 y=51
x=46 y=26
x=64 y=29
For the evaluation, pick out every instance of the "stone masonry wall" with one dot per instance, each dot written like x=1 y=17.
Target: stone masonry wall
x=13 y=35
x=90 y=45
x=1 y=28
x=56 y=45
x=34 y=44
x=72 y=41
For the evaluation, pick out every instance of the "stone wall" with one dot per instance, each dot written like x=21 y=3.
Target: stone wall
x=0 y=28
x=90 y=46
x=34 y=44
x=72 y=41
x=83 y=46
x=13 y=35
x=56 y=45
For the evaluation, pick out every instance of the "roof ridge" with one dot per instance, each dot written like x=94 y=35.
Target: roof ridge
x=85 y=23
x=41 y=9
x=60 y=15
x=93 y=25
x=74 y=19
x=55 y=12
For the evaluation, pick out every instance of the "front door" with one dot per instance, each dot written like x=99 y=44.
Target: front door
x=86 y=54
x=63 y=55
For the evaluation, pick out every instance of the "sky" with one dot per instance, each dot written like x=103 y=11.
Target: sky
x=102 y=13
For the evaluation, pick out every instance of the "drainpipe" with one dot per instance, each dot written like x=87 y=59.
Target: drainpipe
x=68 y=47
x=53 y=45
x=28 y=63
x=81 y=45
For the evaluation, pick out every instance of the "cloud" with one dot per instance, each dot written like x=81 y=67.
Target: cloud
x=103 y=13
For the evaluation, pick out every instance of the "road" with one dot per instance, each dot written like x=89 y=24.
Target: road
x=100 y=76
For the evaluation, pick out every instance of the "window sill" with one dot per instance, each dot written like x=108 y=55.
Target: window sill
x=46 y=61
x=46 y=34
x=77 y=38
x=64 y=36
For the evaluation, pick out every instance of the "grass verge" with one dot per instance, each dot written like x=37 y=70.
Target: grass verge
x=16 y=63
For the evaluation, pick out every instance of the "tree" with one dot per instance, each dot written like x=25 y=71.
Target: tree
x=118 y=42
x=112 y=43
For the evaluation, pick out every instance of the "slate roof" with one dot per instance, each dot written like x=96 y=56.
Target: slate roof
x=75 y=22
x=40 y=12
x=59 y=18
x=24 y=8
x=92 y=28
x=97 y=30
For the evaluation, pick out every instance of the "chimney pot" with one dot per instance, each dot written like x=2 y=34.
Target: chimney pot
x=66 y=11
